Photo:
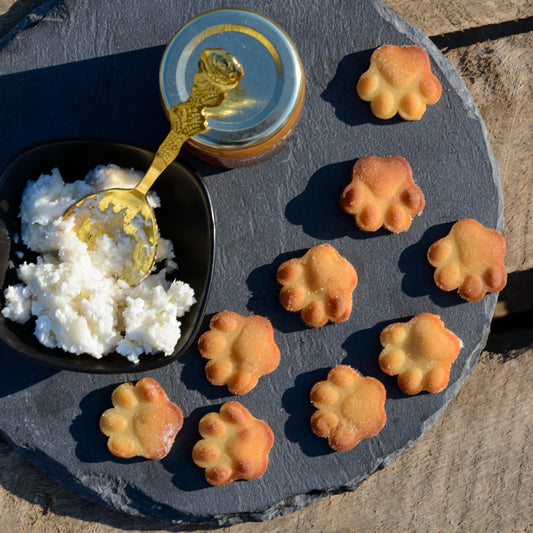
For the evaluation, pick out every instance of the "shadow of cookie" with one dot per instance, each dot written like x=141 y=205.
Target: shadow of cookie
x=264 y=295
x=317 y=208
x=342 y=95
x=298 y=405
x=418 y=273
x=91 y=443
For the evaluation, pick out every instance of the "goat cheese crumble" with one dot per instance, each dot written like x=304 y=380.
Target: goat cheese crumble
x=78 y=305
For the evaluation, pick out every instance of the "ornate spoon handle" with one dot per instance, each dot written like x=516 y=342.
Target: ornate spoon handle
x=218 y=73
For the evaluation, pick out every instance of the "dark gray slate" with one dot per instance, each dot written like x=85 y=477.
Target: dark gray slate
x=89 y=68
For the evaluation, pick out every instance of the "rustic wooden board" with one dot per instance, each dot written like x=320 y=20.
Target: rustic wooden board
x=435 y=17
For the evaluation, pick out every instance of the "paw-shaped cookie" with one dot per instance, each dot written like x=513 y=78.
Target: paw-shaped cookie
x=350 y=408
x=142 y=422
x=399 y=80
x=420 y=352
x=241 y=350
x=469 y=258
x=319 y=284
x=235 y=445
x=382 y=193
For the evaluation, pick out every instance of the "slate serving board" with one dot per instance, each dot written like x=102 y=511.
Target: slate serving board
x=89 y=68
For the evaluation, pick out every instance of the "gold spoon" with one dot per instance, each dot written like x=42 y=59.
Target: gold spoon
x=126 y=211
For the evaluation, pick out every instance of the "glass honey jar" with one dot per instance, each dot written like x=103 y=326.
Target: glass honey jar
x=258 y=117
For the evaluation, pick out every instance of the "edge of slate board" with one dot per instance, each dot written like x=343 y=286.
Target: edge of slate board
x=54 y=9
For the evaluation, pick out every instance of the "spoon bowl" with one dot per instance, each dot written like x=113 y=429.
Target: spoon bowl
x=124 y=214
x=119 y=213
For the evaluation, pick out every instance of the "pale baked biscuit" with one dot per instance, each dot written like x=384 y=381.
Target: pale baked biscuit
x=319 y=284
x=350 y=408
x=470 y=258
x=235 y=445
x=142 y=422
x=241 y=350
x=382 y=193
x=420 y=352
x=399 y=80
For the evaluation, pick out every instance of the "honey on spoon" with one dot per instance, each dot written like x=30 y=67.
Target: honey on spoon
x=118 y=212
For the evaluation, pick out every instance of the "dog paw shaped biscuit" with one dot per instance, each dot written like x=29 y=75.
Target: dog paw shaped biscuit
x=382 y=193
x=235 y=445
x=399 y=80
x=240 y=349
x=350 y=408
x=469 y=258
x=319 y=284
x=142 y=422
x=420 y=352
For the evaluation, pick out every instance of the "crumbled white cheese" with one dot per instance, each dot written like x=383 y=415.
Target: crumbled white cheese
x=77 y=302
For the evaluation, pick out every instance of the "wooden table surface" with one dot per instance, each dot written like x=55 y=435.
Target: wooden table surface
x=473 y=470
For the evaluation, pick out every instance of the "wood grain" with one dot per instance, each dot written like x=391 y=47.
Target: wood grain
x=435 y=17
x=472 y=471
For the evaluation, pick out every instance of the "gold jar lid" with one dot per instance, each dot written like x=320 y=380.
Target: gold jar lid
x=256 y=118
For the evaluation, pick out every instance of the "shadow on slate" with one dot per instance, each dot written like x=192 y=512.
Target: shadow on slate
x=62 y=475
x=341 y=92
x=116 y=98
x=296 y=402
x=363 y=348
x=27 y=373
x=193 y=373
x=186 y=475
x=91 y=446
x=317 y=208
x=264 y=299
x=418 y=279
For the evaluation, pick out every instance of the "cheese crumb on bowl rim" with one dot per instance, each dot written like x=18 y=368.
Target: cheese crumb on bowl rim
x=185 y=218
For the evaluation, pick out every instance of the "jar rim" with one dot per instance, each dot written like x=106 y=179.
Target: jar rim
x=266 y=103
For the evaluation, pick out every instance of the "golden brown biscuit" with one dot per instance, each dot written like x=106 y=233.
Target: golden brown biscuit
x=241 y=350
x=142 y=422
x=420 y=352
x=319 y=284
x=350 y=408
x=235 y=445
x=382 y=193
x=399 y=80
x=469 y=258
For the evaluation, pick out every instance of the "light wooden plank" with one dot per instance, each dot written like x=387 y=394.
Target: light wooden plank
x=5 y=5
x=435 y=17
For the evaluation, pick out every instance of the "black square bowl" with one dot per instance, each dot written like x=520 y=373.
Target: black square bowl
x=185 y=217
